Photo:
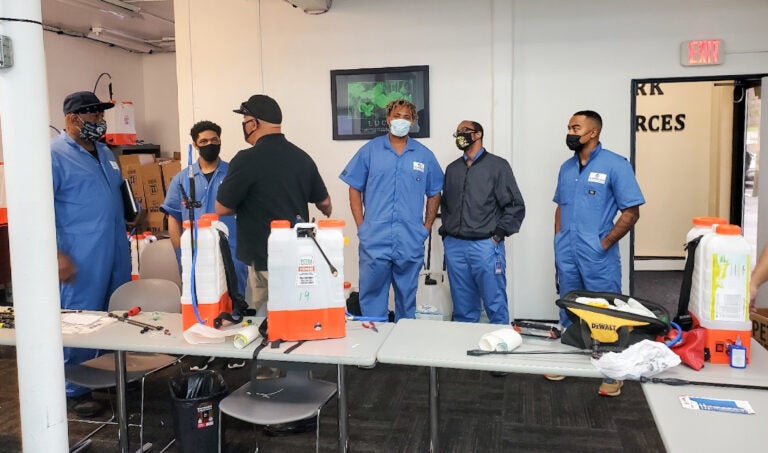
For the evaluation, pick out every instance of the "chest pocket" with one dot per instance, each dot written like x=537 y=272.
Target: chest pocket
x=592 y=196
x=416 y=176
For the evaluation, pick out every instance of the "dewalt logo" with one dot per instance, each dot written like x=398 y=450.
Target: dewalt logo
x=602 y=326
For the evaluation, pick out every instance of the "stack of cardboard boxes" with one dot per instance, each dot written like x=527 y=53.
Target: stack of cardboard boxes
x=149 y=178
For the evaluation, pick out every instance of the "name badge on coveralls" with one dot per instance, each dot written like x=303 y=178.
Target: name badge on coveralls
x=597 y=177
x=418 y=166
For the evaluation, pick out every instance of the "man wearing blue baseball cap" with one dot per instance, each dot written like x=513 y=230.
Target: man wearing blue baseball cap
x=93 y=253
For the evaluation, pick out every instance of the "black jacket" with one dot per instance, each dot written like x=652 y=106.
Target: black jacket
x=481 y=200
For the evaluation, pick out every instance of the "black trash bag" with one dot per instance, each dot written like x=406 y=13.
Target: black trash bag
x=196 y=397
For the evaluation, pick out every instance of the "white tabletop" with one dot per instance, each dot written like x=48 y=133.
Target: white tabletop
x=687 y=430
x=359 y=347
x=444 y=344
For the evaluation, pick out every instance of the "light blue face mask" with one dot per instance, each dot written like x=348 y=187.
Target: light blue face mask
x=400 y=127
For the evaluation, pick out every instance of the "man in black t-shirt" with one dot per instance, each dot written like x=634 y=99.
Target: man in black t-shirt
x=272 y=180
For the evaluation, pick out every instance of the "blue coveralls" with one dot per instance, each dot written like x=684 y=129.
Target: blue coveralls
x=392 y=233
x=90 y=229
x=589 y=201
x=205 y=192
x=477 y=270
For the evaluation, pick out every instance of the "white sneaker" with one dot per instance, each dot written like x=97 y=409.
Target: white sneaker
x=202 y=365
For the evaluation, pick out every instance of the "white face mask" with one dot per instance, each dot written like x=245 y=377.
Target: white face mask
x=400 y=127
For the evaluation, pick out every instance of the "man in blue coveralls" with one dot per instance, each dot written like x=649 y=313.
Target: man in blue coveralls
x=209 y=171
x=390 y=175
x=481 y=206
x=93 y=250
x=592 y=187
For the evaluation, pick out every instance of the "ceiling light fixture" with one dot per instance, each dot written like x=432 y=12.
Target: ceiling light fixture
x=123 y=5
x=120 y=39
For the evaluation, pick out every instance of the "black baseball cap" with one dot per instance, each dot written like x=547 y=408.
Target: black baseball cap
x=262 y=107
x=85 y=102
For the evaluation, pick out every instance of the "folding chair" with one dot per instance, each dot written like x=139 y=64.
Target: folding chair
x=158 y=260
x=296 y=396
x=99 y=373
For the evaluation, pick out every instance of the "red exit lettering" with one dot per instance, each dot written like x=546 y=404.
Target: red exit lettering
x=704 y=52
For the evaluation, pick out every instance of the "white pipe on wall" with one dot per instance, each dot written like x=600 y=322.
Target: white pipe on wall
x=32 y=234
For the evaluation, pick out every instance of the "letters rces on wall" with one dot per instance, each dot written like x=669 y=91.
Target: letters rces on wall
x=665 y=122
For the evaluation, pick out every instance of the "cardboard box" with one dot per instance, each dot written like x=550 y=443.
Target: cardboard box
x=760 y=326
x=169 y=169
x=152 y=181
x=156 y=222
x=129 y=167
x=135 y=159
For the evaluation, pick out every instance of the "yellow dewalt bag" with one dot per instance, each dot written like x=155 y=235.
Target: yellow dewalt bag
x=604 y=329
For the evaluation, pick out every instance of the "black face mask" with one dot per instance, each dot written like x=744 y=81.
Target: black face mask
x=210 y=152
x=573 y=142
x=91 y=132
x=248 y=134
x=464 y=140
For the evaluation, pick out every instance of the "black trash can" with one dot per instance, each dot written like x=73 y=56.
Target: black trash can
x=196 y=397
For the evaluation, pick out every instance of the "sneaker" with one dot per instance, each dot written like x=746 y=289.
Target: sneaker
x=84 y=406
x=610 y=387
x=235 y=363
x=554 y=377
x=201 y=363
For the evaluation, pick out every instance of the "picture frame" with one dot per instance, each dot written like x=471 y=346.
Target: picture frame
x=359 y=98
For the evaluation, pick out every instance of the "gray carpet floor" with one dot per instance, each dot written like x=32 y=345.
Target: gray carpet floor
x=389 y=411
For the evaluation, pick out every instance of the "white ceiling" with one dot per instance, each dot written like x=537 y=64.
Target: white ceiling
x=152 y=26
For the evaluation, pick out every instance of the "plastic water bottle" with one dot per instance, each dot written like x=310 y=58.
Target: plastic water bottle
x=210 y=279
x=133 y=242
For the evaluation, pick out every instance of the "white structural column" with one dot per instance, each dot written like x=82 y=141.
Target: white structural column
x=24 y=113
x=503 y=36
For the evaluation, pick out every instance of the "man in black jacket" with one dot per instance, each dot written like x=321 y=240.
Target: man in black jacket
x=481 y=205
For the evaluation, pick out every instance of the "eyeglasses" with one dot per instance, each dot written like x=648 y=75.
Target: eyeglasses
x=463 y=130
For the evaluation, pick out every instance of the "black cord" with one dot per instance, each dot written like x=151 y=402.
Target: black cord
x=13 y=19
x=479 y=352
x=675 y=381
x=110 y=83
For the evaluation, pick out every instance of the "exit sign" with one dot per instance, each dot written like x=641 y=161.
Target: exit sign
x=704 y=52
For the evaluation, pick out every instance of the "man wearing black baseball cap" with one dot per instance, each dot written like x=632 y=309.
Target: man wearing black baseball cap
x=272 y=180
x=93 y=253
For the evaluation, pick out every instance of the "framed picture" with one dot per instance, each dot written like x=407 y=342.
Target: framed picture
x=359 y=98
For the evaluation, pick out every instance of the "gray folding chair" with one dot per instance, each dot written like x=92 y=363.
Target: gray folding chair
x=158 y=260
x=151 y=295
x=296 y=396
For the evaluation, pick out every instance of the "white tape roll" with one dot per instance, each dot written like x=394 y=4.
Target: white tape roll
x=500 y=340
x=246 y=336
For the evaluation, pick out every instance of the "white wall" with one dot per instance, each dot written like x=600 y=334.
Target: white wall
x=557 y=56
x=300 y=50
x=160 y=102
x=148 y=80
x=575 y=55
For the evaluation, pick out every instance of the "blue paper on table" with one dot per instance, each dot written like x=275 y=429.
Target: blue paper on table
x=717 y=405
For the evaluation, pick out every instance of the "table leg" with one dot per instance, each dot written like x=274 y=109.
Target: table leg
x=343 y=415
x=122 y=412
x=434 y=409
